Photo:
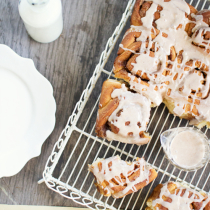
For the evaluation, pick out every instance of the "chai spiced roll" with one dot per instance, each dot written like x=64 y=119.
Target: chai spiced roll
x=117 y=178
x=165 y=57
x=123 y=115
x=172 y=195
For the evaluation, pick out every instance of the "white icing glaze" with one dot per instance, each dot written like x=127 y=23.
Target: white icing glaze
x=134 y=115
x=187 y=149
x=119 y=167
x=142 y=62
x=177 y=200
x=172 y=22
x=148 y=19
x=175 y=10
x=189 y=85
x=148 y=91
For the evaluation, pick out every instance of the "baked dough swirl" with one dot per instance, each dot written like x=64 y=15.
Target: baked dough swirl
x=165 y=57
x=173 y=196
x=123 y=115
x=119 y=178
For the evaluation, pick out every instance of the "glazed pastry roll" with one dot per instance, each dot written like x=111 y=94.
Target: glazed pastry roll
x=123 y=115
x=117 y=178
x=165 y=57
x=142 y=8
x=172 y=195
x=139 y=66
x=190 y=99
x=147 y=54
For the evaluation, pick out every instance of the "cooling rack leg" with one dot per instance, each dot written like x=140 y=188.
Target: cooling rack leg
x=40 y=181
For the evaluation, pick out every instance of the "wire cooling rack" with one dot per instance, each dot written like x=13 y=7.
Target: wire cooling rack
x=66 y=170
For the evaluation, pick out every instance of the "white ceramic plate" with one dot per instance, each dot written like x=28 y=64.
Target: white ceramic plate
x=27 y=111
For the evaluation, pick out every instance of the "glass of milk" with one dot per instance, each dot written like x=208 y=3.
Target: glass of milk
x=42 y=18
x=186 y=148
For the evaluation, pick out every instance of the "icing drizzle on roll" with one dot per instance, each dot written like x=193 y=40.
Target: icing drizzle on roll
x=182 y=198
x=172 y=60
x=130 y=118
x=118 y=177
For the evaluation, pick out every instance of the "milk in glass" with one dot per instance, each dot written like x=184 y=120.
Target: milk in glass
x=42 y=18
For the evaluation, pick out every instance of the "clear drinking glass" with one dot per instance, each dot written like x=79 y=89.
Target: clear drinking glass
x=166 y=140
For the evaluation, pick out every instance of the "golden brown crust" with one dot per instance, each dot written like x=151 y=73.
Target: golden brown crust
x=207 y=207
x=106 y=91
x=106 y=106
x=190 y=26
x=192 y=10
x=135 y=17
x=120 y=61
x=103 y=115
x=129 y=38
x=155 y=194
x=206 y=16
x=122 y=74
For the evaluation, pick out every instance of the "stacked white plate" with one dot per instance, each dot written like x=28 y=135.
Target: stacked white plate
x=27 y=111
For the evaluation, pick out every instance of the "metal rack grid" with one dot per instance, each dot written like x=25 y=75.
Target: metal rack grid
x=78 y=141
